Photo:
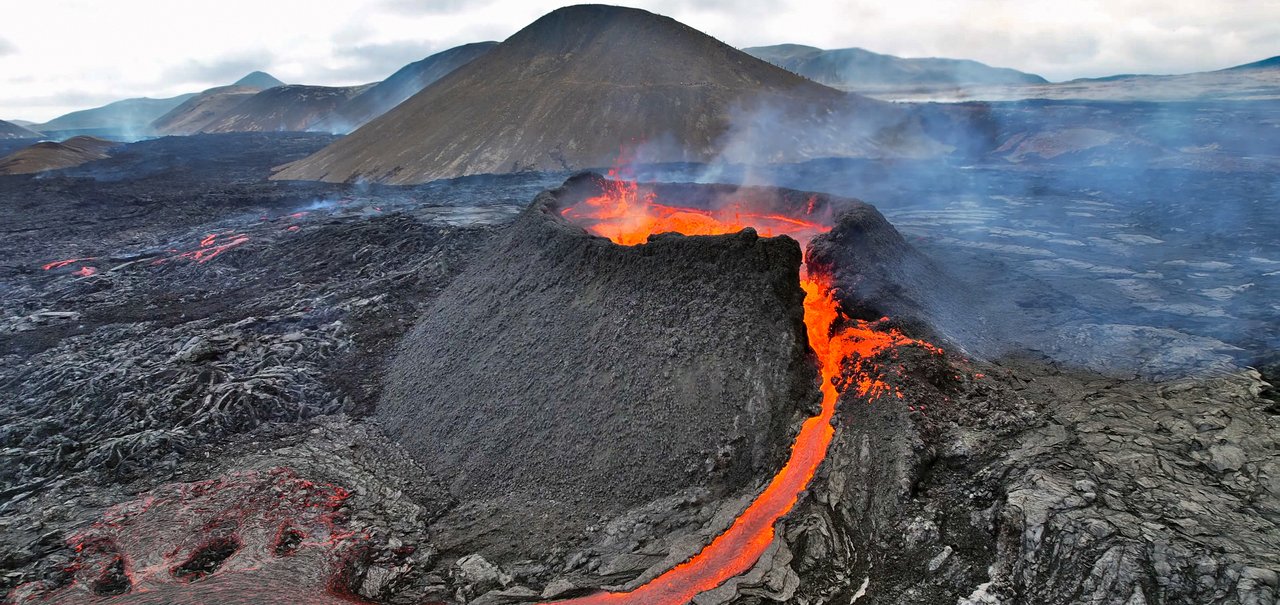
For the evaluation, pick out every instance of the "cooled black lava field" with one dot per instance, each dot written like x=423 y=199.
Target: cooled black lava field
x=193 y=361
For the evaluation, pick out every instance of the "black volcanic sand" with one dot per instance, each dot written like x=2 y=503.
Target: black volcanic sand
x=564 y=374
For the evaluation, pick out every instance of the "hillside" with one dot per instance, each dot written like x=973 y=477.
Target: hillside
x=198 y=112
x=858 y=69
x=49 y=155
x=579 y=84
x=283 y=108
x=129 y=117
x=405 y=83
x=9 y=130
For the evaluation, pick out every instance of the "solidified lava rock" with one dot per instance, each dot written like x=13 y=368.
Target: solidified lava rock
x=878 y=274
x=562 y=369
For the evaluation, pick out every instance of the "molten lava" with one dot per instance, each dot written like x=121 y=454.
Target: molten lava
x=628 y=216
x=846 y=353
x=211 y=247
x=58 y=264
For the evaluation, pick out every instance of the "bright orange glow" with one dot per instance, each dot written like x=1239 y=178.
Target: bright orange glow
x=629 y=216
x=211 y=247
x=845 y=352
x=58 y=264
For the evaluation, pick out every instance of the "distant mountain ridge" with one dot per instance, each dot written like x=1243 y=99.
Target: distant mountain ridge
x=856 y=68
x=134 y=118
x=10 y=130
x=128 y=117
x=576 y=86
x=292 y=107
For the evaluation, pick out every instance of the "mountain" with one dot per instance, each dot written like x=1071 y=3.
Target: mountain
x=10 y=130
x=1271 y=63
x=400 y=86
x=198 y=112
x=49 y=155
x=283 y=108
x=260 y=80
x=1257 y=81
x=129 y=118
x=858 y=69
x=572 y=89
x=133 y=118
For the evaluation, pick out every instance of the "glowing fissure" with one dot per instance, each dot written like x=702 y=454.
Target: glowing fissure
x=211 y=246
x=845 y=352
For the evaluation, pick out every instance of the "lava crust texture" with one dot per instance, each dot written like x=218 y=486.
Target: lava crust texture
x=564 y=368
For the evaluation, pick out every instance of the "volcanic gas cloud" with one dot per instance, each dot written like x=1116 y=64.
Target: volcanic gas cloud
x=846 y=352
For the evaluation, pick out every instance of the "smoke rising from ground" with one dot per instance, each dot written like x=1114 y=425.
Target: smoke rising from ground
x=1132 y=237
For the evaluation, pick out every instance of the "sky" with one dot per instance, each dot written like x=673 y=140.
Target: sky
x=61 y=55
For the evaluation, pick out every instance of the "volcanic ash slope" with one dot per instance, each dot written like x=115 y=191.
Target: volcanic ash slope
x=569 y=90
x=283 y=109
x=51 y=155
x=567 y=376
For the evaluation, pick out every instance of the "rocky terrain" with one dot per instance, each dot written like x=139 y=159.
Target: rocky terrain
x=404 y=83
x=49 y=155
x=693 y=344
x=872 y=73
x=535 y=101
x=283 y=109
x=199 y=112
x=181 y=336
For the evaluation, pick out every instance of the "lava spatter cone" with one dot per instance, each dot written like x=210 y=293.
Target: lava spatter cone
x=563 y=377
x=596 y=351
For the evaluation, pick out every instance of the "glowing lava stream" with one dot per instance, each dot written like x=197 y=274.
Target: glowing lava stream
x=626 y=219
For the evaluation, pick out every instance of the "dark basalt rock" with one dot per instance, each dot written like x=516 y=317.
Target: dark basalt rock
x=877 y=273
x=565 y=373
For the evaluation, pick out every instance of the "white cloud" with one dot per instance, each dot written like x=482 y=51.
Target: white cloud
x=144 y=45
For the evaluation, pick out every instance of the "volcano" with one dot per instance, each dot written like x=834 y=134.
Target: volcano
x=568 y=90
x=691 y=359
x=283 y=109
x=562 y=363
x=405 y=83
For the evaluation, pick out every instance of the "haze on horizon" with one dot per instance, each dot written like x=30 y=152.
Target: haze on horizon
x=62 y=55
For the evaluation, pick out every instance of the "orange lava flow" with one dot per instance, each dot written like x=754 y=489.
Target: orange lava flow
x=628 y=216
x=58 y=264
x=835 y=342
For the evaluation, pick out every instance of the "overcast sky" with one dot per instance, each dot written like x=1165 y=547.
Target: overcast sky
x=61 y=55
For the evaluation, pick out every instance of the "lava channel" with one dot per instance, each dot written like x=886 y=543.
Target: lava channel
x=627 y=217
